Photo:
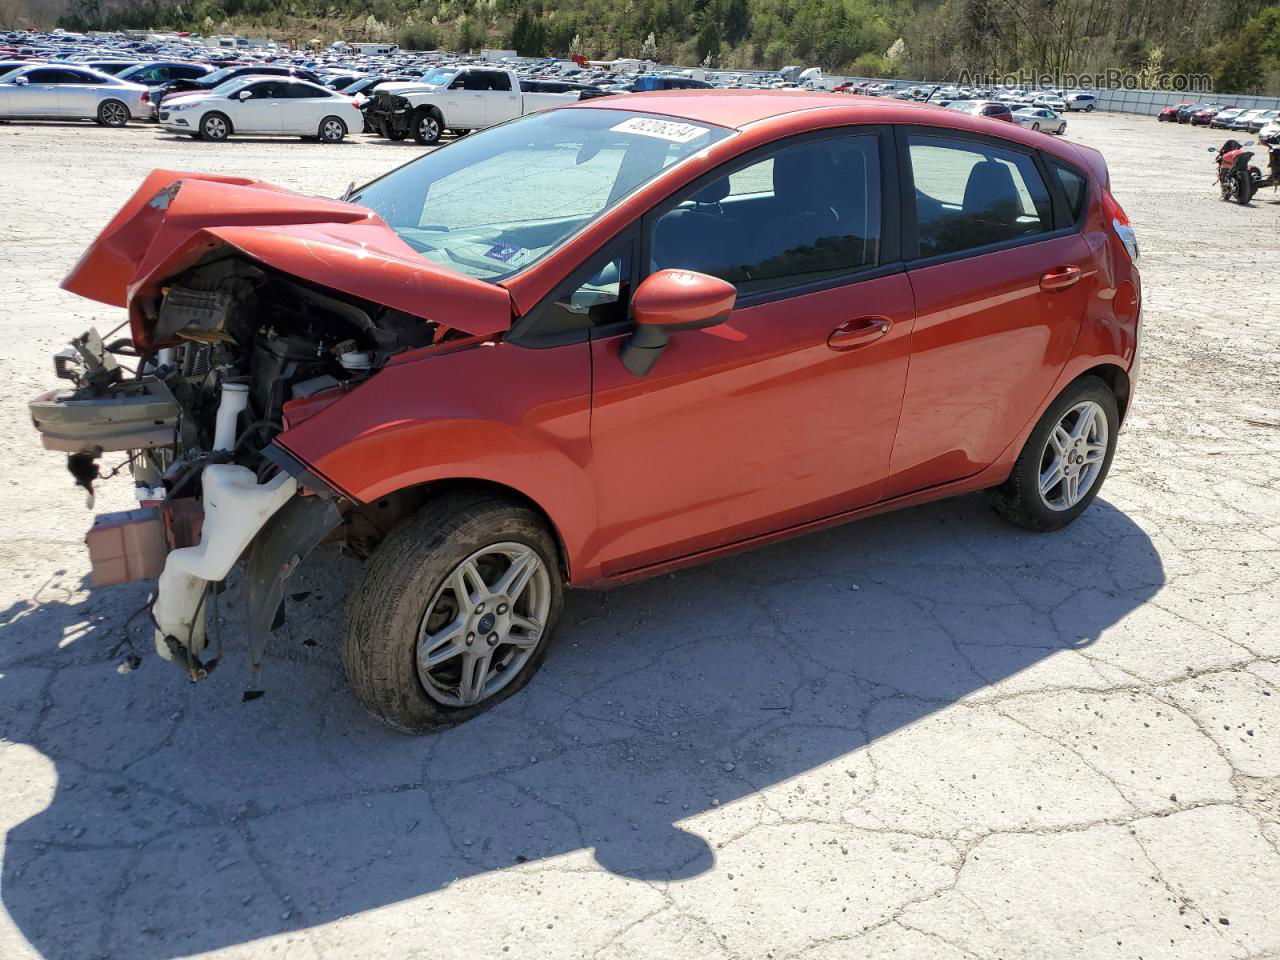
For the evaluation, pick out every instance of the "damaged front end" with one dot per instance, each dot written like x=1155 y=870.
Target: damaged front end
x=231 y=340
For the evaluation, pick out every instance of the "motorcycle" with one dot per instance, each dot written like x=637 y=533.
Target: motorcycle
x=1237 y=179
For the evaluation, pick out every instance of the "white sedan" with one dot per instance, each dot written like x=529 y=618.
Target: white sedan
x=264 y=105
x=47 y=91
x=1050 y=102
x=1040 y=118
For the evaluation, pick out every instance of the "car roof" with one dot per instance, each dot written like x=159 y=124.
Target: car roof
x=737 y=109
x=760 y=110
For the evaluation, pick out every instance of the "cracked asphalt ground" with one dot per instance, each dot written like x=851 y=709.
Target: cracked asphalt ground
x=926 y=735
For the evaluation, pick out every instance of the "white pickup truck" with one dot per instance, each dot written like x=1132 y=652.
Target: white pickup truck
x=462 y=99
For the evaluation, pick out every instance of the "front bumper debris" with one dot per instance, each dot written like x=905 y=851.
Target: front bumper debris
x=236 y=507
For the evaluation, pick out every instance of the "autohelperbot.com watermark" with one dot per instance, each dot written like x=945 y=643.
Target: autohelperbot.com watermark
x=1110 y=79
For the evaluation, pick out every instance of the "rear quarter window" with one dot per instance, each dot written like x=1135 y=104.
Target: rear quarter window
x=1075 y=189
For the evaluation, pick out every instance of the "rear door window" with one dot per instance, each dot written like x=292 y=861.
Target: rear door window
x=969 y=194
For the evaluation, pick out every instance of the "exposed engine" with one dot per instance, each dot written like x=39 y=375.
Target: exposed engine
x=236 y=322
x=231 y=343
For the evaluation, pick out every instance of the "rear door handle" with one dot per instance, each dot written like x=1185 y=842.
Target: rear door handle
x=1060 y=278
x=858 y=333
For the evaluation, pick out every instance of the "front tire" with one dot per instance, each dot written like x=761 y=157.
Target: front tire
x=215 y=126
x=1244 y=187
x=112 y=113
x=427 y=128
x=332 y=130
x=1065 y=460
x=454 y=613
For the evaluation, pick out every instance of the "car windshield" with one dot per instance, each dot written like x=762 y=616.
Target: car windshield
x=437 y=78
x=492 y=204
x=232 y=85
x=217 y=77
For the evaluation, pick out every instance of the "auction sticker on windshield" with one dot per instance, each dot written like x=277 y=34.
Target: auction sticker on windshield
x=668 y=130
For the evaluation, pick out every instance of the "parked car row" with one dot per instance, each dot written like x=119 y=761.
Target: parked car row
x=1032 y=117
x=1057 y=100
x=196 y=89
x=1218 y=115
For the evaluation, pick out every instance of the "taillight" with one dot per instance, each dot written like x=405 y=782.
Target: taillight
x=146 y=97
x=1121 y=225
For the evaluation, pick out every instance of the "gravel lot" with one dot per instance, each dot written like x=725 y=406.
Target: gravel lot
x=927 y=735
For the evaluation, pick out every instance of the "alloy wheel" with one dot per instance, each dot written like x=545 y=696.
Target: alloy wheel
x=1072 y=459
x=114 y=114
x=332 y=131
x=483 y=624
x=215 y=128
x=429 y=128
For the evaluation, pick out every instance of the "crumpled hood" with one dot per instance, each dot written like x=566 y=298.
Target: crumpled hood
x=401 y=87
x=175 y=219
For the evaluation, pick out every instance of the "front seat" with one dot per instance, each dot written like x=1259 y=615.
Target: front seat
x=804 y=179
x=700 y=237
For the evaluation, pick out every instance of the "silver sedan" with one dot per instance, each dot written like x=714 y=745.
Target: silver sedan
x=46 y=91
x=1040 y=118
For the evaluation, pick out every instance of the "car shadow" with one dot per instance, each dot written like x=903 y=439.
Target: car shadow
x=182 y=820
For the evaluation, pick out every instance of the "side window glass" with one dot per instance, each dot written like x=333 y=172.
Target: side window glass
x=602 y=297
x=597 y=295
x=807 y=213
x=499 y=81
x=970 y=195
x=44 y=76
x=1074 y=188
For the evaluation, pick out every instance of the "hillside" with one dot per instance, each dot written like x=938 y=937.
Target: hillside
x=1236 y=42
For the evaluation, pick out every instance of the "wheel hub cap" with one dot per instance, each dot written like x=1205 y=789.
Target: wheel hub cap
x=483 y=624
x=1073 y=456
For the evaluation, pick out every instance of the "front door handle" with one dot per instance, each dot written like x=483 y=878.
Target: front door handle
x=858 y=333
x=1060 y=278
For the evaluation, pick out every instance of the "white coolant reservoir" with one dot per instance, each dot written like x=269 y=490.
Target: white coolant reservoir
x=235 y=508
x=235 y=397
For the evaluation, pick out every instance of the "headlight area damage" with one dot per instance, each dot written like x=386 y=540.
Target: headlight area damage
x=251 y=308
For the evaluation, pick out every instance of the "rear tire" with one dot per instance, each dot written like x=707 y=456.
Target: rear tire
x=1054 y=444
x=398 y=604
x=1035 y=126
x=332 y=130
x=112 y=113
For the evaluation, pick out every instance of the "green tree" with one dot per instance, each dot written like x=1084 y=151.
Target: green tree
x=470 y=36
x=737 y=21
x=708 y=37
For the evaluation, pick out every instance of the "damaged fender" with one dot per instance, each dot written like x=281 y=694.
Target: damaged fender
x=286 y=539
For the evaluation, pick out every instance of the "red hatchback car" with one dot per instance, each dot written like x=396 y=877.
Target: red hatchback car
x=589 y=346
